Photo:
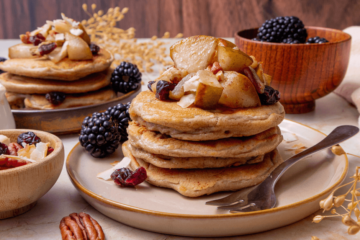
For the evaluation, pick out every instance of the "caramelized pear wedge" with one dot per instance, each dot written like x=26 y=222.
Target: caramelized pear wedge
x=172 y=75
x=209 y=90
x=254 y=78
x=178 y=91
x=84 y=35
x=22 y=51
x=62 y=26
x=59 y=53
x=260 y=73
x=239 y=91
x=78 y=49
x=194 y=53
x=232 y=59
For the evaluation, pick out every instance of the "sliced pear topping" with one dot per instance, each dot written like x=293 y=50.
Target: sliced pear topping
x=22 y=51
x=209 y=90
x=178 y=91
x=59 y=53
x=78 y=49
x=231 y=59
x=194 y=53
x=239 y=92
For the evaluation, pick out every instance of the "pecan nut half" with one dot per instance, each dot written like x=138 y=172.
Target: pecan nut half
x=80 y=227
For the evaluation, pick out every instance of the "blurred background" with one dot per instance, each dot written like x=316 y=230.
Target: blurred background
x=221 y=18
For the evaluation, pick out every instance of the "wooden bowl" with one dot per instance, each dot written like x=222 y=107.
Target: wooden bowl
x=21 y=187
x=301 y=72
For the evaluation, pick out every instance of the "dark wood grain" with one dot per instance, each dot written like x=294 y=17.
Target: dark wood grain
x=154 y=17
x=301 y=72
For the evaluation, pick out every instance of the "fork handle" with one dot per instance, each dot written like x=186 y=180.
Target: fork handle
x=338 y=135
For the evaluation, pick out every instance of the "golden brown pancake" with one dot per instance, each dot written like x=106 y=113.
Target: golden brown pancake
x=100 y=96
x=65 y=70
x=16 y=101
x=157 y=143
x=196 y=124
x=198 y=182
x=28 y=85
x=188 y=162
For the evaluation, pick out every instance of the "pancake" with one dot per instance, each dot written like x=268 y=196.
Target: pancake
x=157 y=143
x=183 y=162
x=196 y=124
x=28 y=85
x=66 y=69
x=198 y=182
x=15 y=100
x=40 y=102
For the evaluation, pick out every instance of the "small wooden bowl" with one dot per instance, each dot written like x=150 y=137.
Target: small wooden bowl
x=21 y=187
x=301 y=72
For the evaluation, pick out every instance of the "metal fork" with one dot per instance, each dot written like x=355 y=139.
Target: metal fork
x=262 y=196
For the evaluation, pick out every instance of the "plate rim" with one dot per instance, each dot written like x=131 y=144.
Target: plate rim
x=194 y=216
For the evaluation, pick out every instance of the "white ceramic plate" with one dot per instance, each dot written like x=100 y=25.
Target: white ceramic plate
x=162 y=210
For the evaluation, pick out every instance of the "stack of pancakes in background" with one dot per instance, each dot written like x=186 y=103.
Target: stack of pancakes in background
x=198 y=152
x=84 y=82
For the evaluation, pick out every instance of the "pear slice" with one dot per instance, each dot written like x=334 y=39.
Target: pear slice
x=78 y=49
x=194 y=53
x=84 y=35
x=59 y=53
x=239 y=91
x=62 y=26
x=231 y=59
x=22 y=50
x=209 y=90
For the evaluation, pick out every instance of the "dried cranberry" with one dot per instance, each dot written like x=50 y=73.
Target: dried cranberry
x=94 y=49
x=50 y=150
x=37 y=39
x=4 y=149
x=55 y=98
x=270 y=96
x=28 y=138
x=124 y=177
x=163 y=88
x=150 y=84
x=47 y=48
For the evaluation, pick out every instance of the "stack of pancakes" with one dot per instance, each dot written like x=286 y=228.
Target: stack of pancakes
x=196 y=151
x=84 y=82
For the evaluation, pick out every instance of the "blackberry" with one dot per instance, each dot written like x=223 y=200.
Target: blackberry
x=125 y=78
x=120 y=114
x=280 y=28
x=55 y=98
x=94 y=49
x=316 y=39
x=290 y=40
x=4 y=149
x=28 y=138
x=163 y=89
x=270 y=96
x=2 y=60
x=99 y=135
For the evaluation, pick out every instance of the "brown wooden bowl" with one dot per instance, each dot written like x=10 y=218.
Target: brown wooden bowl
x=301 y=72
x=21 y=187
